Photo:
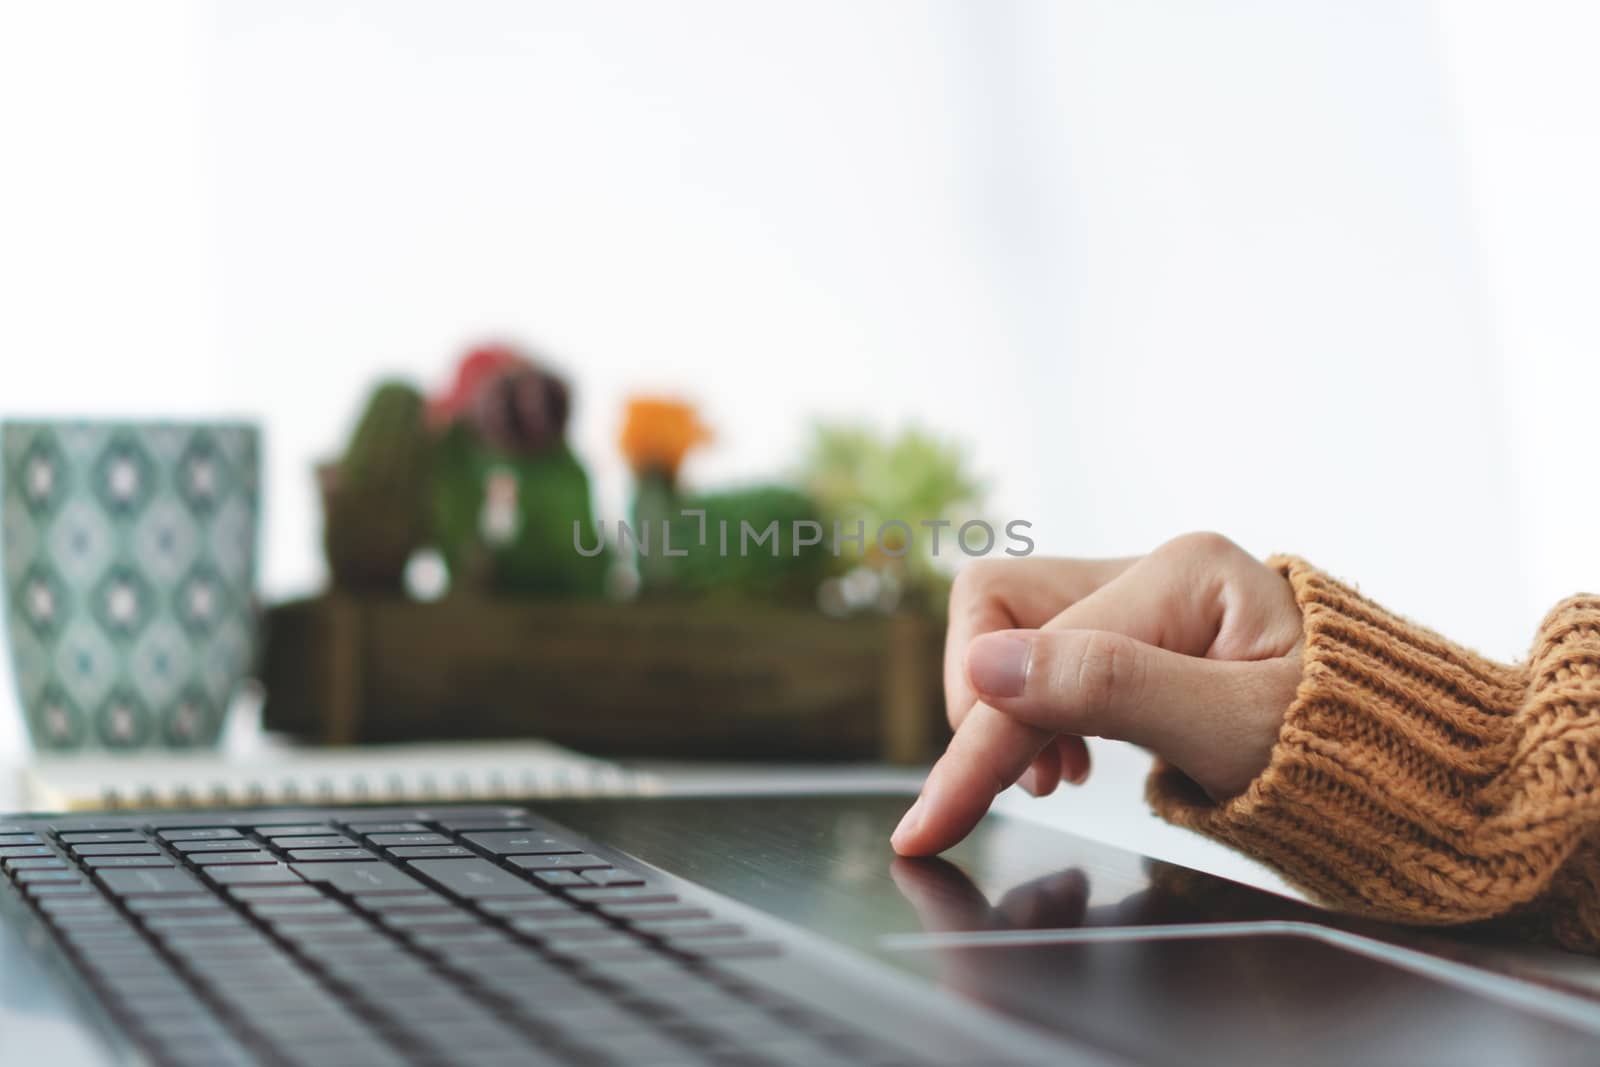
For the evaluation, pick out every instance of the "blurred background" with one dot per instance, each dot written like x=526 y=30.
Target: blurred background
x=1317 y=275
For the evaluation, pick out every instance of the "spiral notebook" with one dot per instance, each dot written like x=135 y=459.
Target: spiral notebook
x=413 y=773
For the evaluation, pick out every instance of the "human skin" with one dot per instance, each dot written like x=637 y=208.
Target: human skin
x=1192 y=651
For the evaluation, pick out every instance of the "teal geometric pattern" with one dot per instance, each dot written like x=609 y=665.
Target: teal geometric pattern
x=129 y=557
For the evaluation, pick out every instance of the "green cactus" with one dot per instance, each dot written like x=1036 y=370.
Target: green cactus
x=520 y=542
x=389 y=449
x=745 y=570
x=374 y=499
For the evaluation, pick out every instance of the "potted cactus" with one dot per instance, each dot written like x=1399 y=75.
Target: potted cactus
x=482 y=472
x=374 y=497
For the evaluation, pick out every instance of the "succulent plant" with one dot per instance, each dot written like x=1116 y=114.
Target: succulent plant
x=389 y=449
x=747 y=570
x=856 y=473
x=374 y=498
x=504 y=521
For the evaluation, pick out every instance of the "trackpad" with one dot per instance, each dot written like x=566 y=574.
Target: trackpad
x=1245 y=999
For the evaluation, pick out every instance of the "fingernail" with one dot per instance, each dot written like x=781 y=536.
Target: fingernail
x=908 y=823
x=1030 y=781
x=998 y=665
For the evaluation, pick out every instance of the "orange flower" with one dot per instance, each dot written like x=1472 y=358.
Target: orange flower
x=658 y=432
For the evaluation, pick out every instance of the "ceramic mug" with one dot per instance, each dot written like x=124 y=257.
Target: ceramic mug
x=129 y=557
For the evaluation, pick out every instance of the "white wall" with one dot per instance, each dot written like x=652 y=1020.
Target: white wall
x=1528 y=106
x=1262 y=305
x=1278 y=269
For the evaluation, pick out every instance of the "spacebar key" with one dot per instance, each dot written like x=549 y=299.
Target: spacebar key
x=474 y=879
x=357 y=878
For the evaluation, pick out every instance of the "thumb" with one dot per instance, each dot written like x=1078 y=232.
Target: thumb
x=1215 y=719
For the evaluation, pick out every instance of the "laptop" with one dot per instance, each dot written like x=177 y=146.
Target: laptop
x=747 y=930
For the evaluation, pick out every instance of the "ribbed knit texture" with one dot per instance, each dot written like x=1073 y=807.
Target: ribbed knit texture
x=1417 y=782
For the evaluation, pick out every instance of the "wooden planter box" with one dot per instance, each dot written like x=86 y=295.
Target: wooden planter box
x=664 y=679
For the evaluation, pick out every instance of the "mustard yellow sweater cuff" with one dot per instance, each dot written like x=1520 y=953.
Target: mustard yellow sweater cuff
x=1418 y=782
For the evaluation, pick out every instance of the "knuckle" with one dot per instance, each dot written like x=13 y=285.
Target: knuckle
x=1104 y=675
x=1203 y=545
x=972 y=581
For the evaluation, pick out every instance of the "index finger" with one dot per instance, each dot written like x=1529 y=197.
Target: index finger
x=989 y=751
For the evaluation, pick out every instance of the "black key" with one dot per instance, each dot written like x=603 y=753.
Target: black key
x=423 y=899
x=418 y=852
x=252 y=893
x=196 y=920
x=324 y=855
x=94 y=935
x=612 y=876
x=373 y=974
x=623 y=949
x=140 y=849
x=145 y=881
x=654 y=912
x=433 y=917
x=518 y=843
x=11 y=851
x=238 y=976
x=329 y=840
x=173 y=920
x=7 y=840
x=483 y=824
x=473 y=878
x=104 y=837
x=301 y=830
x=150 y=986
x=459 y=935
x=102 y=862
x=727 y=948
x=304 y=911
x=348 y=957
x=386 y=840
x=358 y=878
x=57 y=889
x=214 y=859
x=575 y=861
x=34 y=863
x=599 y=895
x=560 y=878
x=225 y=845
x=194 y=835
x=168 y=904
x=581 y=939
x=298 y=928
x=672 y=931
x=572 y=921
x=79 y=922
x=543 y=907
x=251 y=874
x=215 y=940
x=88 y=902
x=33 y=877
x=387 y=828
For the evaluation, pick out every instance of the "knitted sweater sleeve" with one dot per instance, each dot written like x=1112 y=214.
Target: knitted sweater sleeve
x=1417 y=782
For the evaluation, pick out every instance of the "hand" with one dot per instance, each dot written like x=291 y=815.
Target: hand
x=1191 y=651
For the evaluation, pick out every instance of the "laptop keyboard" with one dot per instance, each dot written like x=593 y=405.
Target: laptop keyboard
x=353 y=941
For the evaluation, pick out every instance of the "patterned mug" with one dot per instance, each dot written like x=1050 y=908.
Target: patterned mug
x=129 y=553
